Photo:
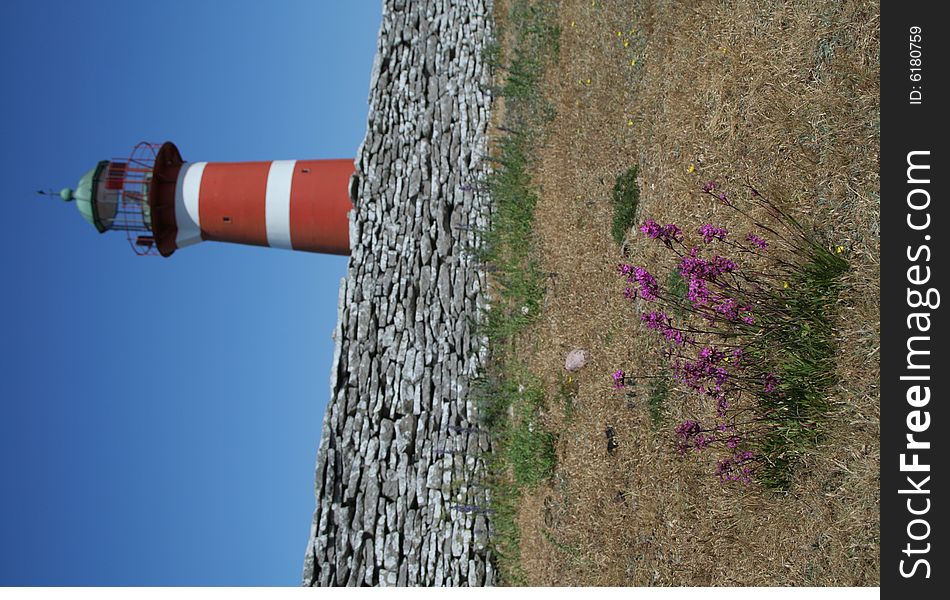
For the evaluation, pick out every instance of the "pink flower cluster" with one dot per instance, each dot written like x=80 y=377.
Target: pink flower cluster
x=706 y=373
x=732 y=311
x=692 y=435
x=659 y=321
x=710 y=232
x=723 y=373
x=667 y=234
x=647 y=284
x=736 y=468
x=699 y=273
x=757 y=241
x=619 y=376
x=692 y=265
x=769 y=383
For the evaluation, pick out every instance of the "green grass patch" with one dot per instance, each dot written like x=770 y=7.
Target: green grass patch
x=506 y=535
x=678 y=288
x=509 y=244
x=509 y=399
x=659 y=391
x=510 y=404
x=626 y=199
x=805 y=368
x=530 y=448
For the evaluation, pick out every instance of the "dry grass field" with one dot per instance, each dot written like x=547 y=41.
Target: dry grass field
x=780 y=94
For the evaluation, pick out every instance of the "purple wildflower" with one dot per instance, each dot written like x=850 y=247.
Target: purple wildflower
x=618 y=378
x=697 y=292
x=769 y=383
x=674 y=335
x=757 y=241
x=646 y=282
x=736 y=468
x=658 y=320
x=667 y=234
x=691 y=266
x=722 y=406
x=705 y=373
x=648 y=285
x=655 y=319
x=721 y=264
x=673 y=232
x=712 y=355
x=651 y=228
x=688 y=429
x=728 y=307
x=709 y=186
x=720 y=376
x=711 y=232
x=745 y=315
x=737 y=355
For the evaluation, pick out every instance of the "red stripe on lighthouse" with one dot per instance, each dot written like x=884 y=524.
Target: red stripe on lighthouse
x=232 y=202
x=319 y=201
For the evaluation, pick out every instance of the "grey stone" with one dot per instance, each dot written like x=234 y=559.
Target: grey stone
x=405 y=433
x=391 y=552
x=575 y=359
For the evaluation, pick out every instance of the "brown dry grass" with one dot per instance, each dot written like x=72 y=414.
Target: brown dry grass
x=782 y=94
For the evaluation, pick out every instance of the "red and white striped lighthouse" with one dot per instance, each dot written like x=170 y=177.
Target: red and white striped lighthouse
x=164 y=203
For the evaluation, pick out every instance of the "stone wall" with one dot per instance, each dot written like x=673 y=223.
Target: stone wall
x=397 y=484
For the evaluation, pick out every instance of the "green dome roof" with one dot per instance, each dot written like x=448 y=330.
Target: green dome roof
x=84 y=194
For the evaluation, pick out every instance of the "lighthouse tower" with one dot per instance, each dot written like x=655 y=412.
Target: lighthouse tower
x=164 y=203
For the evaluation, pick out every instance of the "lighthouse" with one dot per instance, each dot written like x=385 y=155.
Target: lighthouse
x=164 y=203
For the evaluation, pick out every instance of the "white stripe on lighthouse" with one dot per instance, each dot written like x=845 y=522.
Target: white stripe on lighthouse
x=277 y=207
x=186 y=204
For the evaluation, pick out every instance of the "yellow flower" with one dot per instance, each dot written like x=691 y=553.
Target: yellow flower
x=572 y=23
x=630 y=123
x=626 y=43
x=633 y=62
x=839 y=249
x=691 y=169
x=724 y=49
x=785 y=285
x=588 y=81
x=619 y=33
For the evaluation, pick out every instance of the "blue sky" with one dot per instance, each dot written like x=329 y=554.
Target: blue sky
x=161 y=416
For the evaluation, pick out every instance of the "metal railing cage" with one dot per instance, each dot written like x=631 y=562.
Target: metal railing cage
x=127 y=182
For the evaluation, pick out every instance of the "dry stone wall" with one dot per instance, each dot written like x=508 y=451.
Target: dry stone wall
x=399 y=498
